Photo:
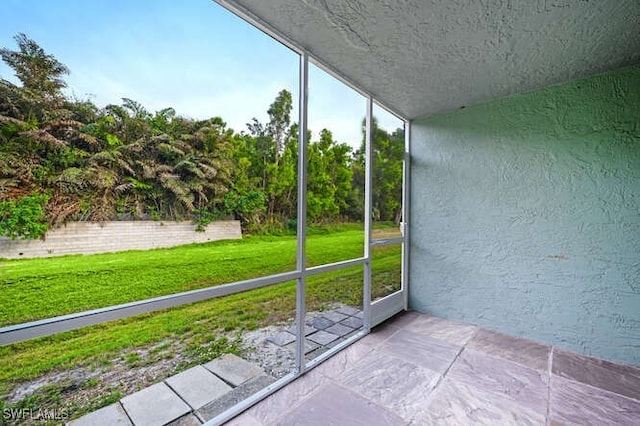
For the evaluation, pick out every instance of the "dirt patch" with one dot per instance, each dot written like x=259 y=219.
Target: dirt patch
x=80 y=390
x=275 y=360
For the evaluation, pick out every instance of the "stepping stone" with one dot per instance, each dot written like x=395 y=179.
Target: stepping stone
x=198 y=386
x=155 y=405
x=348 y=310
x=233 y=369
x=322 y=337
x=238 y=394
x=339 y=330
x=334 y=316
x=112 y=414
x=352 y=322
x=283 y=338
x=321 y=323
x=307 y=330
x=308 y=346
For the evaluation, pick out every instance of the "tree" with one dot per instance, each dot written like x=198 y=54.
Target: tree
x=279 y=122
x=38 y=71
x=81 y=162
x=388 y=156
x=330 y=176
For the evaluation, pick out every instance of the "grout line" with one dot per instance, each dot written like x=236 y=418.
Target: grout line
x=181 y=398
x=225 y=381
x=442 y=377
x=550 y=374
x=431 y=395
x=197 y=416
x=125 y=412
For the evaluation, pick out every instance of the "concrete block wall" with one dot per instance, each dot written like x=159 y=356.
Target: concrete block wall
x=89 y=238
x=526 y=215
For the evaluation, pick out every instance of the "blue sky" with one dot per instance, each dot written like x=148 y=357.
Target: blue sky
x=192 y=55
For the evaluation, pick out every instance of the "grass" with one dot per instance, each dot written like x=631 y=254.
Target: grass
x=39 y=288
x=34 y=289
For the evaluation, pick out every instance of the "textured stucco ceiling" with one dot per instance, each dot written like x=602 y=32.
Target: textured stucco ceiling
x=421 y=57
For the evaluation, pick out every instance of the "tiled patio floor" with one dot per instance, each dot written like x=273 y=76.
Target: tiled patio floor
x=422 y=370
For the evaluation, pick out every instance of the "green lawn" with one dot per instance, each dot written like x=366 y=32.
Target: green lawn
x=40 y=288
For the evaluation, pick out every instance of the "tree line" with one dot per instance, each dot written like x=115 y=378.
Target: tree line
x=66 y=159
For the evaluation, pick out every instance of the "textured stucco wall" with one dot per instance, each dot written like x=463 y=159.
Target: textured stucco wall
x=526 y=215
x=88 y=238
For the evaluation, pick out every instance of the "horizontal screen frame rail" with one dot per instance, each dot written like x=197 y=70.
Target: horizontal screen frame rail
x=54 y=325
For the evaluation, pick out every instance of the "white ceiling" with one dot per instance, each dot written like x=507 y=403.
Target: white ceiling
x=422 y=57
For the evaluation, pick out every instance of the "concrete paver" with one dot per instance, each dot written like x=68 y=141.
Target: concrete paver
x=154 y=406
x=352 y=322
x=335 y=316
x=111 y=415
x=321 y=323
x=322 y=337
x=233 y=369
x=197 y=386
x=339 y=330
x=282 y=338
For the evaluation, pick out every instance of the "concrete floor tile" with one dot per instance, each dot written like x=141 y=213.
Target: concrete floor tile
x=198 y=386
x=621 y=379
x=433 y=354
x=576 y=403
x=274 y=406
x=452 y=332
x=378 y=335
x=524 y=352
x=455 y=403
x=111 y=415
x=343 y=361
x=397 y=385
x=233 y=369
x=522 y=385
x=331 y=404
x=154 y=406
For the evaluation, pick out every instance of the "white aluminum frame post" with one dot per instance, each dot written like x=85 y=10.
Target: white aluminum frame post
x=406 y=185
x=368 y=208
x=301 y=259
